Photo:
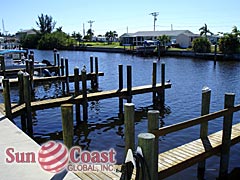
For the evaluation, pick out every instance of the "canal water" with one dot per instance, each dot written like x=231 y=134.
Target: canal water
x=104 y=130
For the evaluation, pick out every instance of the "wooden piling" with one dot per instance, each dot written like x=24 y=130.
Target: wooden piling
x=62 y=74
x=129 y=120
x=84 y=94
x=120 y=82
x=58 y=63
x=7 y=98
x=67 y=76
x=129 y=84
x=54 y=58
x=76 y=93
x=91 y=71
x=21 y=99
x=162 y=98
x=215 y=54
x=67 y=124
x=27 y=100
x=226 y=137
x=96 y=73
x=147 y=142
x=154 y=81
x=153 y=124
x=3 y=67
x=206 y=97
x=91 y=64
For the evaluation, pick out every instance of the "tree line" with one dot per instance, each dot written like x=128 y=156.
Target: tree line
x=47 y=37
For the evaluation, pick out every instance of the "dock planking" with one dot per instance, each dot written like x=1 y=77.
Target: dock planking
x=41 y=80
x=56 y=102
x=184 y=156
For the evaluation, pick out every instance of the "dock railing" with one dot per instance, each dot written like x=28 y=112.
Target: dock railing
x=153 y=123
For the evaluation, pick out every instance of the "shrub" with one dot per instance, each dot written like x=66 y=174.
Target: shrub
x=201 y=45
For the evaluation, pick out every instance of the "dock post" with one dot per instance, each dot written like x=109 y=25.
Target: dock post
x=96 y=73
x=7 y=98
x=84 y=94
x=215 y=54
x=154 y=81
x=76 y=93
x=129 y=84
x=91 y=71
x=58 y=63
x=153 y=124
x=3 y=67
x=67 y=124
x=21 y=99
x=226 y=136
x=27 y=99
x=206 y=97
x=129 y=120
x=120 y=82
x=54 y=58
x=62 y=74
x=162 y=97
x=147 y=143
x=67 y=75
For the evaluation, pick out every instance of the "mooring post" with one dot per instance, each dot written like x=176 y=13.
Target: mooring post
x=215 y=54
x=76 y=93
x=7 y=98
x=154 y=81
x=62 y=74
x=96 y=73
x=3 y=67
x=91 y=64
x=206 y=97
x=153 y=124
x=67 y=75
x=120 y=82
x=21 y=99
x=84 y=94
x=129 y=120
x=54 y=57
x=147 y=143
x=58 y=63
x=129 y=83
x=27 y=99
x=226 y=136
x=67 y=124
x=91 y=71
x=162 y=98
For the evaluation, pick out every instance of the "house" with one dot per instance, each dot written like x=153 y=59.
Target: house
x=139 y=37
x=23 y=33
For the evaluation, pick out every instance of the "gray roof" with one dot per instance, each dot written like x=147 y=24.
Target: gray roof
x=157 y=33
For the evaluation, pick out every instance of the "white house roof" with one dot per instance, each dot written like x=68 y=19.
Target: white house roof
x=157 y=33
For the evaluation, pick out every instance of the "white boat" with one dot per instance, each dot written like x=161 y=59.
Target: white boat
x=15 y=59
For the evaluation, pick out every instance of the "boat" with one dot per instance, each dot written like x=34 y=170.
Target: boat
x=16 y=59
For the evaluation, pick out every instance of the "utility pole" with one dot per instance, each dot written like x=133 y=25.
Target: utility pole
x=91 y=22
x=154 y=14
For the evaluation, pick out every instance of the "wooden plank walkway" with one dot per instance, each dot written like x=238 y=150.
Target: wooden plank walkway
x=182 y=157
x=49 y=103
x=40 y=80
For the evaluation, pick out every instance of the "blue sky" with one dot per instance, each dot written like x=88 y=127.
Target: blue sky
x=219 y=15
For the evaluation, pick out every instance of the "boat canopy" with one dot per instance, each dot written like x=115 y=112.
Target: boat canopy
x=11 y=51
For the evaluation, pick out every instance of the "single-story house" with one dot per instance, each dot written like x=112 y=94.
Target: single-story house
x=182 y=37
x=25 y=32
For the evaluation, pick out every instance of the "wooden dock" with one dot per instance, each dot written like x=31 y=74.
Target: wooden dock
x=49 y=103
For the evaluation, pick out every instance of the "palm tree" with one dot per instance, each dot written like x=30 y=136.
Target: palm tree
x=164 y=39
x=204 y=31
x=45 y=24
x=235 y=31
